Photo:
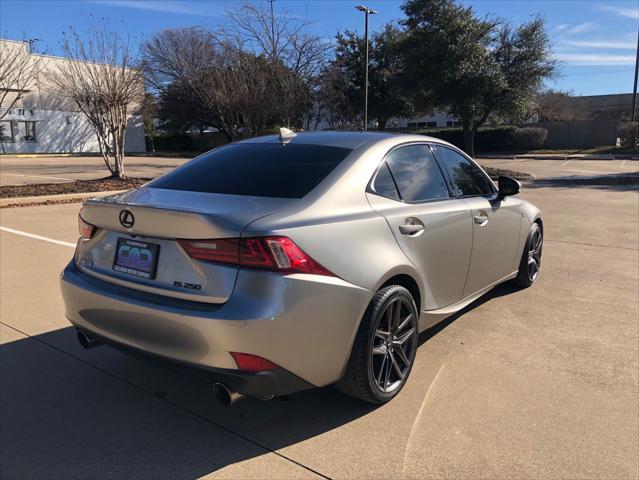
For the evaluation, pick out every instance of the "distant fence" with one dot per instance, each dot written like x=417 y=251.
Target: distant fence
x=583 y=134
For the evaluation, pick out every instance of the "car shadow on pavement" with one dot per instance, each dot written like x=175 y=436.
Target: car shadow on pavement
x=70 y=413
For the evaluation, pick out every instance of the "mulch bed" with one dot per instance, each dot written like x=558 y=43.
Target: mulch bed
x=495 y=173
x=79 y=186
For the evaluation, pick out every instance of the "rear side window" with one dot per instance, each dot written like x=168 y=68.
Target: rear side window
x=256 y=169
x=416 y=174
x=466 y=177
x=384 y=183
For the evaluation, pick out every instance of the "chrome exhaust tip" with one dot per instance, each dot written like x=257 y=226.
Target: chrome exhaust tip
x=87 y=341
x=225 y=395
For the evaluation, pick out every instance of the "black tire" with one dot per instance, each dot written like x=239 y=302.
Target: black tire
x=371 y=348
x=530 y=264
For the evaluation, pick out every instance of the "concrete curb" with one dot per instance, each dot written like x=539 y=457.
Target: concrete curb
x=53 y=199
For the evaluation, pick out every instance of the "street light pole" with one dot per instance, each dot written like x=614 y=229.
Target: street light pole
x=634 y=85
x=367 y=11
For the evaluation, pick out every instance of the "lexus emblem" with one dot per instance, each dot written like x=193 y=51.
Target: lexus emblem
x=127 y=219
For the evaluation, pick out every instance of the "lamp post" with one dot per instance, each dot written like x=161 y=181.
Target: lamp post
x=367 y=11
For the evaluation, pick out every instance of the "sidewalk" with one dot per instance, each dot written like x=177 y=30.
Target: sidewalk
x=558 y=156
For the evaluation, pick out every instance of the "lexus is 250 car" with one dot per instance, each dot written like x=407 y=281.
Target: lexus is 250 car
x=292 y=261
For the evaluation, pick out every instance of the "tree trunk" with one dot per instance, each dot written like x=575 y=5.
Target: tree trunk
x=469 y=139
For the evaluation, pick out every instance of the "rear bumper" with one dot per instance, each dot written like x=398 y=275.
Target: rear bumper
x=270 y=382
x=305 y=324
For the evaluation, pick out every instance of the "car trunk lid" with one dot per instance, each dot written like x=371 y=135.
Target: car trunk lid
x=146 y=223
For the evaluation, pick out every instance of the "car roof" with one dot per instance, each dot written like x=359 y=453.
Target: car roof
x=344 y=139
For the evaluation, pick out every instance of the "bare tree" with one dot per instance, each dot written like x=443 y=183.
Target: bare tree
x=278 y=36
x=558 y=106
x=19 y=71
x=173 y=56
x=105 y=81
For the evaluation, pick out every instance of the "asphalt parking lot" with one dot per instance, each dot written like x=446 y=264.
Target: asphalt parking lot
x=51 y=169
x=538 y=383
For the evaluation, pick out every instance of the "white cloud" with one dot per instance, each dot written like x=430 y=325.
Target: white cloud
x=595 y=59
x=627 y=45
x=561 y=27
x=624 y=12
x=157 y=6
x=583 y=28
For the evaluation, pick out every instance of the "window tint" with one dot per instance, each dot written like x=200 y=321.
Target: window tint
x=466 y=177
x=416 y=174
x=384 y=183
x=256 y=169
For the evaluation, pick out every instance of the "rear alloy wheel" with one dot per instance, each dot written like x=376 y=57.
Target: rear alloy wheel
x=531 y=259
x=384 y=349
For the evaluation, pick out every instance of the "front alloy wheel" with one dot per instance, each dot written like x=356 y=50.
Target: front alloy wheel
x=534 y=254
x=531 y=259
x=384 y=349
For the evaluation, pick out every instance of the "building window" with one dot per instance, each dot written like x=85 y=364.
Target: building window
x=431 y=124
x=452 y=123
x=6 y=132
x=29 y=132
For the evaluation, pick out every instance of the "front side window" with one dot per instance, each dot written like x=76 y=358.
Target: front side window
x=416 y=174
x=466 y=177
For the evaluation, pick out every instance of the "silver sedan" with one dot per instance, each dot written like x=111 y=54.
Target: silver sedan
x=282 y=263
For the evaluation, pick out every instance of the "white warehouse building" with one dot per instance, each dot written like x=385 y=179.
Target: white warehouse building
x=41 y=121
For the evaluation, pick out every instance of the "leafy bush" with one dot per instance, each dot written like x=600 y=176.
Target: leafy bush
x=529 y=138
x=492 y=139
x=179 y=142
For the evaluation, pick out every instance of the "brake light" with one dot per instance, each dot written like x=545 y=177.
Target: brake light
x=224 y=250
x=86 y=229
x=252 y=363
x=271 y=253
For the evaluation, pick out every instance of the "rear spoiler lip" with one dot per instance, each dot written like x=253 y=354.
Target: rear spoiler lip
x=173 y=221
x=158 y=222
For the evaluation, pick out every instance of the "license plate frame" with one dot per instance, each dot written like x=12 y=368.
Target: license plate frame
x=138 y=264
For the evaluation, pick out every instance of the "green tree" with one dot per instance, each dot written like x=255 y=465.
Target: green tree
x=475 y=68
x=344 y=77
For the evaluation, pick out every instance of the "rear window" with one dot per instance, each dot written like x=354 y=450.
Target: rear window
x=256 y=169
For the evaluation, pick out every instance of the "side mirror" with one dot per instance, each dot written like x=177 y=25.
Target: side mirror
x=507 y=186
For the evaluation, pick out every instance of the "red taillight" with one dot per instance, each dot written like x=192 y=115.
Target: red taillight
x=86 y=229
x=252 y=363
x=271 y=253
x=224 y=250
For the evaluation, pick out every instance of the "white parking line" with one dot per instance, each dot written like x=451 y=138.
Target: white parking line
x=623 y=163
x=37 y=176
x=566 y=162
x=37 y=237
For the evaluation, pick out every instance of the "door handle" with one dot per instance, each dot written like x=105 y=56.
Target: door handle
x=410 y=229
x=481 y=218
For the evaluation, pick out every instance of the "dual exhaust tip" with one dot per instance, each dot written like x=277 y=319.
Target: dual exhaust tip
x=224 y=394
x=86 y=340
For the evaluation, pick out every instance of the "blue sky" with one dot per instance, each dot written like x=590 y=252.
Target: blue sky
x=595 y=40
